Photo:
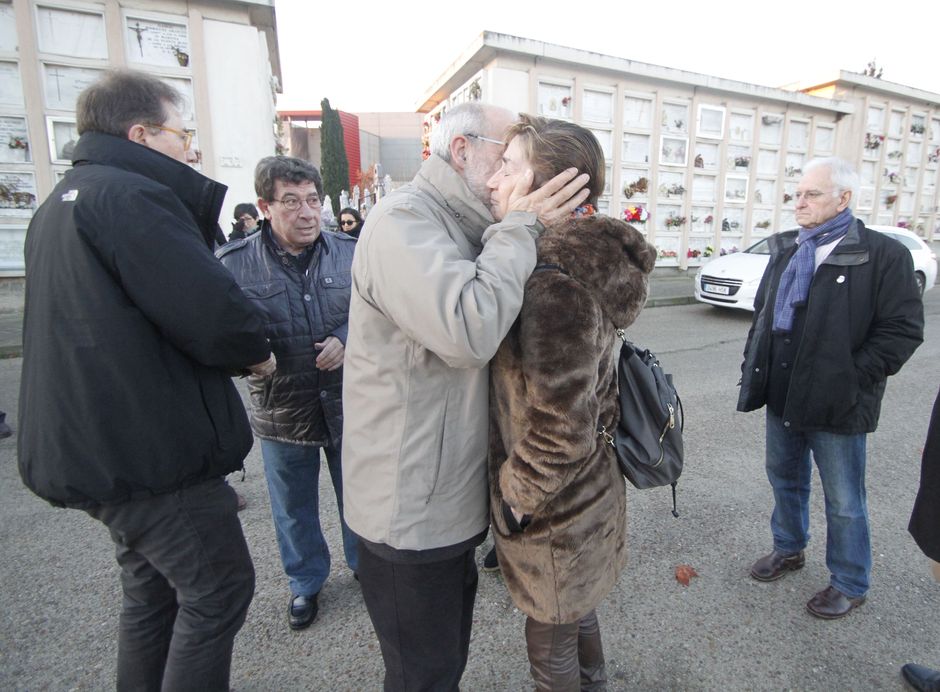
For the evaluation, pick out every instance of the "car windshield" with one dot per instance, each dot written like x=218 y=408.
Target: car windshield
x=761 y=247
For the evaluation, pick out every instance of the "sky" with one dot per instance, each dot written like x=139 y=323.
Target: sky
x=370 y=56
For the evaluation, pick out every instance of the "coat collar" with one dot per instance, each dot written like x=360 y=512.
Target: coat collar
x=438 y=179
x=201 y=195
x=851 y=250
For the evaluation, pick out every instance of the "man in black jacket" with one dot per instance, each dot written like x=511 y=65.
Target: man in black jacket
x=132 y=330
x=836 y=313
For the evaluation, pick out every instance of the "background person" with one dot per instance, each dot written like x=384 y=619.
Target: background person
x=925 y=528
x=350 y=222
x=298 y=278
x=246 y=221
x=436 y=285
x=127 y=409
x=837 y=312
x=557 y=497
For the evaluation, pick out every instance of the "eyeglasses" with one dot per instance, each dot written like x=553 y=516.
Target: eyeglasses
x=487 y=139
x=810 y=196
x=185 y=135
x=294 y=203
x=348 y=222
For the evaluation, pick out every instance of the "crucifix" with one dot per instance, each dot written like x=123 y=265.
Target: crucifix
x=139 y=30
x=56 y=75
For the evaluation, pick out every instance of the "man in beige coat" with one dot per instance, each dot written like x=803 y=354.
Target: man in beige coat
x=436 y=285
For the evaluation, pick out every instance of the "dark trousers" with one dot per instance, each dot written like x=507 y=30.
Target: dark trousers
x=566 y=658
x=187 y=579
x=422 y=614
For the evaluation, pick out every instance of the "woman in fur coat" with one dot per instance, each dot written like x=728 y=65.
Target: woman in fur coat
x=557 y=497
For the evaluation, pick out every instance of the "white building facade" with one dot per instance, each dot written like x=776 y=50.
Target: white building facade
x=220 y=54
x=713 y=162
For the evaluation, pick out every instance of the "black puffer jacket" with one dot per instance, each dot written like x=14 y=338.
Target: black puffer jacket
x=864 y=319
x=131 y=331
x=299 y=403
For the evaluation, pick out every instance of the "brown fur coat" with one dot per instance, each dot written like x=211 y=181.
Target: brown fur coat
x=553 y=381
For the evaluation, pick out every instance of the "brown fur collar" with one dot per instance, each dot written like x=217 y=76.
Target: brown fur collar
x=608 y=256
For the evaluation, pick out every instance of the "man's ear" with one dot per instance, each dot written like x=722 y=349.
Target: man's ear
x=458 y=153
x=137 y=133
x=844 y=199
x=264 y=208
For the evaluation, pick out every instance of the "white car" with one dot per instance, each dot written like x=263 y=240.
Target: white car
x=731 y=281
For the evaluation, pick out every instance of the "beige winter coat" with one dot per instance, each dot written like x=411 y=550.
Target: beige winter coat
x=553 y=384
x=436 y=286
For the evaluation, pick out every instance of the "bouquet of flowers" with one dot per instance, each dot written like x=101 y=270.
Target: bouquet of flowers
x=635 y=214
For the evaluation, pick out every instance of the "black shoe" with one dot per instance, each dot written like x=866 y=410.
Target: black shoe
x=832 y=604
x=302 y=611
x=921 y=678
x=774 y=566
x=491 y=561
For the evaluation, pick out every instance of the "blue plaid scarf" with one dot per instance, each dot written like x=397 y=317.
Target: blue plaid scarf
x=797 y=277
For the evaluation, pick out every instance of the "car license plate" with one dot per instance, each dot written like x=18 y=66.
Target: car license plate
x=712 y=288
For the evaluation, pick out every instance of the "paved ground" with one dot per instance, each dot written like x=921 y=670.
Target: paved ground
x=59 y=598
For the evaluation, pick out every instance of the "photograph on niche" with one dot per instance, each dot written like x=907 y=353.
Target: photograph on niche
x=63 y=134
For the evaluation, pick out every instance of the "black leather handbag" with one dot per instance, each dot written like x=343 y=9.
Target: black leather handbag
x=648 y=437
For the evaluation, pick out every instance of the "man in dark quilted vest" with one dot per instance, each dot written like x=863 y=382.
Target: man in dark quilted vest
x=299 y=279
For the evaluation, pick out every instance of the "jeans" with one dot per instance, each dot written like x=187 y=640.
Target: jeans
x=293 y=475
x=422 y=615
x=841 y=463
x=187 y=579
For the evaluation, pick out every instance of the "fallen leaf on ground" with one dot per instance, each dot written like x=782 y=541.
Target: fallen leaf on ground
x=684 y=574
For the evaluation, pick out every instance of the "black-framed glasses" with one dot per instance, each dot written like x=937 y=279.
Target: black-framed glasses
x=348 y=222
x=294 y=203
x=487 y=139
x=185 y=135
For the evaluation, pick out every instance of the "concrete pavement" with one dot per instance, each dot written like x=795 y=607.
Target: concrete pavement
x=60 y=595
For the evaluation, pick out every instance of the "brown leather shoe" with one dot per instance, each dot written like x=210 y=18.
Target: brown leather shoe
x=831 y=604
x=772 y=567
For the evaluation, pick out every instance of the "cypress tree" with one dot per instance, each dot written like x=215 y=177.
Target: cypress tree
x=333 y=165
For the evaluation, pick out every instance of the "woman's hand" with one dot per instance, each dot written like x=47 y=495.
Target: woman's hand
x=555 y=200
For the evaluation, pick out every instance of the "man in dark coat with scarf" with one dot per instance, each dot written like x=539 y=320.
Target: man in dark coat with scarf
x=925 y=528
x=131 y=333
x=836 y=313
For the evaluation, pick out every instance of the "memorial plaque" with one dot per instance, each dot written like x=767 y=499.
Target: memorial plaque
x=8 y=42
x=12 y=239
x=14 y=140
x=72 y=33
x=17 y=194
x=11 y=88
x=185 y=88
x=153 y=42
x=63 y=83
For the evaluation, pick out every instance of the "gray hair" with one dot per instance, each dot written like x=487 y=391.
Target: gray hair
x=465 y=119
x=122 y=98
x=287 y=169
x=842 y=174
